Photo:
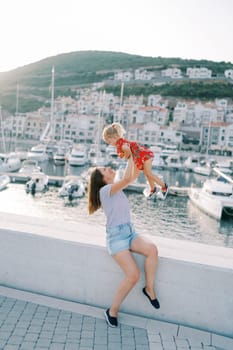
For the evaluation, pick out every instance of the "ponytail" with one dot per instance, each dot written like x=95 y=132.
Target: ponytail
x=95 y=183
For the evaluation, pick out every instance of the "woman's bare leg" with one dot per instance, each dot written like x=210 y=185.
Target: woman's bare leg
x=127 y=263
x=145 y=247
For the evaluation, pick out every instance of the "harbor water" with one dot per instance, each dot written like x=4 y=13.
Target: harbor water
x=176 y=217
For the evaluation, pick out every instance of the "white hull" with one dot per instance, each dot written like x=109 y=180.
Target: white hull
x=212 y=204
x=9 y=163
x=76 y=162
x=178 y=191
x=201 y=170
x=37 y=183
x=72 y=188
x=4 y=181
x=38 y=153
x=29 y=167
x=77 y=157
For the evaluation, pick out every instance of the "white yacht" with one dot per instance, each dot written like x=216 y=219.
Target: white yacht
x=215 y=198
x=4 y=181
x=91 y=155
x=73 y=187
x=173 y=162
x=60 y=156
x=204 y=170
x=38 y=153
x=9 y=162
x=29 y=166
x=226 y=166
x=77 y=157
x=37 y=183
x=191 y=162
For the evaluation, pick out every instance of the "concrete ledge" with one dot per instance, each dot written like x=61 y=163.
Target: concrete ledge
x=69 y=261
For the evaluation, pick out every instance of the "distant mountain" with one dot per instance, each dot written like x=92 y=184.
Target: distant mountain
x=80 y=68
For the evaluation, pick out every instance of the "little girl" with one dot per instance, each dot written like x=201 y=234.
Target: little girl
x=142 y=156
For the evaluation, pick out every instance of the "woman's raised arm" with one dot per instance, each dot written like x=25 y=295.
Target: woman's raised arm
x=128 y=176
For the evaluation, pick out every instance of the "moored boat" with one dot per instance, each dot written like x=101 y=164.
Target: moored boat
x=38 y=153
x=37 y=183
x=29 y=166
x=77 y=157
x=215 y=198
x=4 y=181
x=73 y=187
x=9 y=162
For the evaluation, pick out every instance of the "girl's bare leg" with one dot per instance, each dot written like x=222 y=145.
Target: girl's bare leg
x=136 y=173
x=152 y=178
x=145 y=247
x=127 y=263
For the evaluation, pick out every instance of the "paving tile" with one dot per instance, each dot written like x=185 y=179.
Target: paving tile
x=11 y=347
x=100 y=347
x=43 y=342
x=182 y=343
x=169 y=345
x=222 y=342
x=57 y=346
x=156 y=346
x=195 y=336
x=31 y=337
x=30 y=326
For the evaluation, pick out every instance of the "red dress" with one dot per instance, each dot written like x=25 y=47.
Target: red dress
x=139 y=152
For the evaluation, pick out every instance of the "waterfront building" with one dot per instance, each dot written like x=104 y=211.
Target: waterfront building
x=151 y=133
x=79 y=128
x=154 y=100
x=229 y=73
x=34 y=125
x=217 y=134
x=123 y=75
x=198 y=73
x=17 y=125
x=143 y=74
x=196 y=114
x=155 y=114
x=229 y=114
x=170 y=136
x=174 y=73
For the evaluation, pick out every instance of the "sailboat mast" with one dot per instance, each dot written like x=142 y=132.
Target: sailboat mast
x=2 y=131
x=208 y=138
x=52 y=106
x=17 y=100
x=102 y=97
x=121 y=101
x=16 y=111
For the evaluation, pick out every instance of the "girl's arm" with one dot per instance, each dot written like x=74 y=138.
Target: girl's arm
x=128 y=176
x=127 y=151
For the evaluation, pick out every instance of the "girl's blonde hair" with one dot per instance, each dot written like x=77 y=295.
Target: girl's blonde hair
x=112 y=130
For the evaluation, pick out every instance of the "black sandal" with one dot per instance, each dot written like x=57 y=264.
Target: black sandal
x=111 y=321
x=153 y=302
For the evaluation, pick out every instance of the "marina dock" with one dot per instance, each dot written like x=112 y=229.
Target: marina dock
x=22 y=178
x=57 y=181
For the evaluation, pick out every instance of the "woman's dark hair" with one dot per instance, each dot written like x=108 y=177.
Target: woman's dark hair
x=96 y=181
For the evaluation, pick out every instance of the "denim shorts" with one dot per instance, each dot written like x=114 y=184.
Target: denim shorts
x=120 y=238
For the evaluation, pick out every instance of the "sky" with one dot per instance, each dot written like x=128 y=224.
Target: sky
x=32 y=30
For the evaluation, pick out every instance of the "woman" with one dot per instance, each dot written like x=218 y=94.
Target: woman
x=121 y=236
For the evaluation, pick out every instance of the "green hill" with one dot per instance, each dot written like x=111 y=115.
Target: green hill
x=81 y=68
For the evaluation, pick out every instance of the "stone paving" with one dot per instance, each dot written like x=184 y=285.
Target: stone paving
x=27 y=325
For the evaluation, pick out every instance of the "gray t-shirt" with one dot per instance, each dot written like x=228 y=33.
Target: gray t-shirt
x=116 y=207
